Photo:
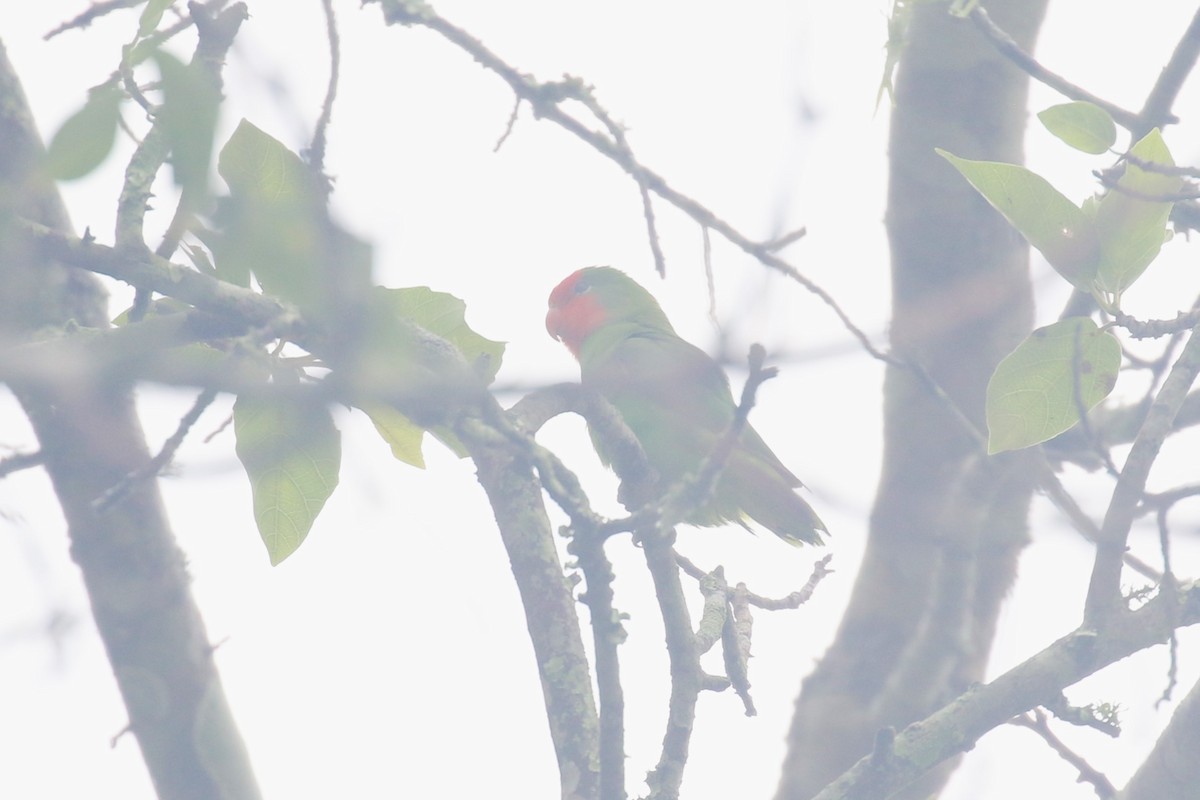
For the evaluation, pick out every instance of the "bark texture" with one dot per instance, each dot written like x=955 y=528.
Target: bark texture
x=90 y=439
x=948 y=522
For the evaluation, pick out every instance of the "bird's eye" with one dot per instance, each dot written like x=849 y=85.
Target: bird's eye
x=582 y=286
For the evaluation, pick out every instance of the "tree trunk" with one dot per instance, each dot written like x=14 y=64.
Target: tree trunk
x=90 y=439
x=948 y=522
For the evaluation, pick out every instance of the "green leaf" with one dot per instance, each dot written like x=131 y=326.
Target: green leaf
x=230 y=265
x=274 y=222
x=151 y=16
x=402 y=434
x=445 y=315
x=86 y=138
x=191 y=102
x=135 y=53
x=393 y=354
x=1084 y=126
x=897 y=28
x=275 y=225
x=292 y=454
x=1064 y=234
x=1032 y=395
x=258 y=165
x=1131 y=227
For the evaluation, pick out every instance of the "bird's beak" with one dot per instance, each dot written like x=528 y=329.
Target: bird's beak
x=552 y=324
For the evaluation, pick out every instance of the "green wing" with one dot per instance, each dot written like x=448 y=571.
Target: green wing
x=672 y=396
x=677 y=402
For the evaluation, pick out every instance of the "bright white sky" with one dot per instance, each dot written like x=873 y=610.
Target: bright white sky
x=388 y=657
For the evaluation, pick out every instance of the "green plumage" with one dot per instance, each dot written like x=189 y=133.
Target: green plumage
x=675 y=399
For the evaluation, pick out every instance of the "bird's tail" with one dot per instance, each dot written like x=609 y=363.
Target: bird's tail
x=768 y=499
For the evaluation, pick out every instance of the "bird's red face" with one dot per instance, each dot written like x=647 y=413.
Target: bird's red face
x=575 y=311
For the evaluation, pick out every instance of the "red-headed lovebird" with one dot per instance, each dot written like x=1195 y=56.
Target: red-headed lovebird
x=674 y=399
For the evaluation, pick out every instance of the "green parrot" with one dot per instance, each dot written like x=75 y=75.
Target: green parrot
x=675 y=399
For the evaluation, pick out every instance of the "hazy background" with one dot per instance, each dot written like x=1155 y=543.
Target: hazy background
x=388 y=656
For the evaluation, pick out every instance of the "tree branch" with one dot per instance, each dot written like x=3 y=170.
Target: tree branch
x=686 y=678
x=550 y=616
x=1156 y=111
x=1104 y=590
x=1009 y=48
x=608 y=633
x=1039 y=680
x=167 y=278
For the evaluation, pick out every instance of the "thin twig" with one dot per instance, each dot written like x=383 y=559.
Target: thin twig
x=1111 y=179
x=934 y=388
x=787 y=602
x=19 y=461
x=1164 y=543
x=781 y=242
x=689 y=567
x=1176 y=170
x=159 y=462
x=1155 y=328
x=795 y=599
x=1162 y=501
x=217 y=431
x=93 y=13
x=316 y=151
x=508 y=128
x=1087 y=773
x=617 y=132
x=156 y=39
x=1009 y=48
x=710 y=281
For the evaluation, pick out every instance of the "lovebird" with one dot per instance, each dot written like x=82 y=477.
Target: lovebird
x=675 y=399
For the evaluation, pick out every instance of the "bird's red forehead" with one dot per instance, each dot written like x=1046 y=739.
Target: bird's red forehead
x=574 y=312
x=565 y=290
